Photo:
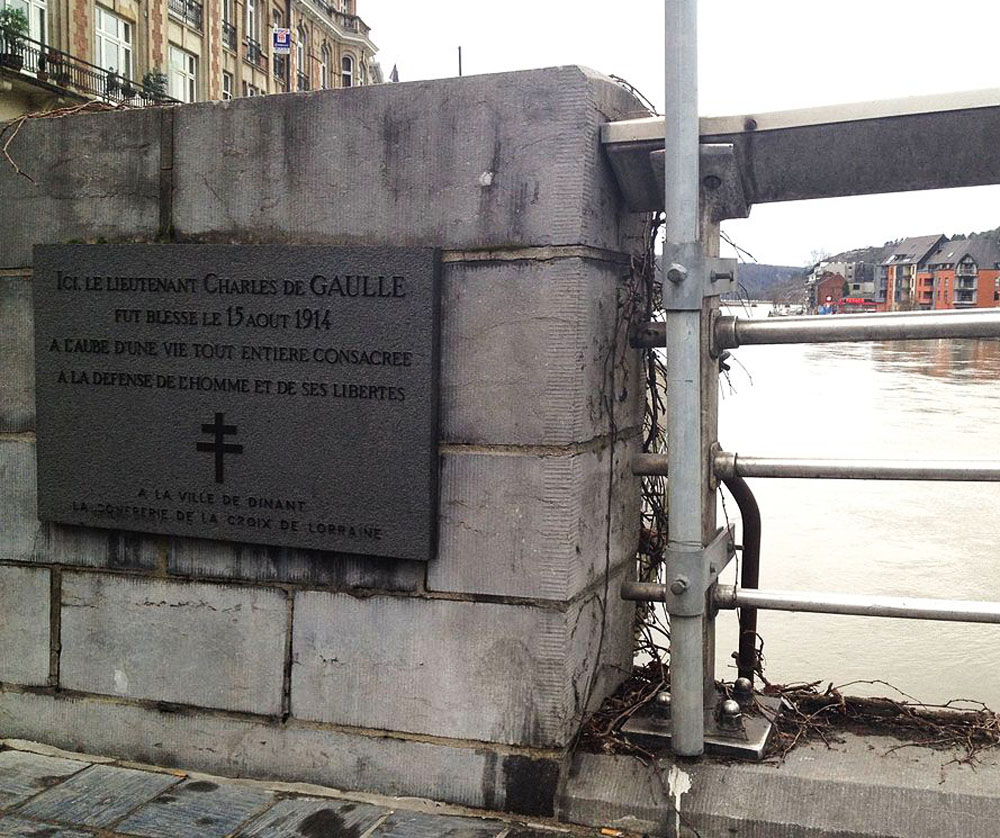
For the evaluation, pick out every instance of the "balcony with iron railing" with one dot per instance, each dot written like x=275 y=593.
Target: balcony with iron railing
x=253 y=54
x=44 y=65
x=190 y=12
x=229 y=36
x=352 y=23
x=345 y=20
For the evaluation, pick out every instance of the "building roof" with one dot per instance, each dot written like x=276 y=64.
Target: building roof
x=983 y=249
x=911 y=250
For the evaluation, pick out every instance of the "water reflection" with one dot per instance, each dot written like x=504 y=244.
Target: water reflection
x=903 y=400
x=957 y=360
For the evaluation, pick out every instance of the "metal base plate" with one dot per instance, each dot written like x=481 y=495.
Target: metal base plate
x=653 y=733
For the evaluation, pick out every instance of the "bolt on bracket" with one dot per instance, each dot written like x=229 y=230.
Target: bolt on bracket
x=692 y=570
x=690 y=276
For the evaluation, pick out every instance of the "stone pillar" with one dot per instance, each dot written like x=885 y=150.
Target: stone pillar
x=462 y=679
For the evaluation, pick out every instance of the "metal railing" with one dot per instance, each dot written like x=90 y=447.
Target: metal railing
x=254 y=54
x=791 y=166
x=279 y=67
x=352 y=23
x=52 y=66
x=229 y=36
x=190 y=12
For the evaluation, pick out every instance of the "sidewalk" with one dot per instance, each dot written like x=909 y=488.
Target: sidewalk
x=45 y=793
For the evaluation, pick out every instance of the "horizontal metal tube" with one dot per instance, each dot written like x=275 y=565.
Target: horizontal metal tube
x=644 y=591
x=738 y=331
x=963 y=611
x=650 y=464
x=727 y=465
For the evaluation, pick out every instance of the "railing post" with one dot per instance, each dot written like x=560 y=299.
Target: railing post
x=686 y=338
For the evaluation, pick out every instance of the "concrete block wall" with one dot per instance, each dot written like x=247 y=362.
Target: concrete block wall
x=464 y=678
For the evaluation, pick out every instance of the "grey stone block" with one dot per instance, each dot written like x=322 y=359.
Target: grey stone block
x=23 y=538
x=484 y=161
x=18 y=515
x=261 y=563
x=532 y=352
x=17 y=374
x=449 y=772
x=853 y=788
x=528 y=525
x=25 y=598
x=98 y=796
x=24 y=774
x=490 y=672
x=184 y=642
x=95 y=176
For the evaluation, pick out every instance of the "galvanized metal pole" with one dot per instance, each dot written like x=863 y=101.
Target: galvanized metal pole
x=684 y=352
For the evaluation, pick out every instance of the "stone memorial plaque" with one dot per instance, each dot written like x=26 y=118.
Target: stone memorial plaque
x=271 y=394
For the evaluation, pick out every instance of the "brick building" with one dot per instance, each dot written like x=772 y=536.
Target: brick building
x=962 y=273
x=896 y=283
x=219 y=49
x=826 y=291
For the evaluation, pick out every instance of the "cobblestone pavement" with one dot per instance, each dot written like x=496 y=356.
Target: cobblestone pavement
x=46 y=793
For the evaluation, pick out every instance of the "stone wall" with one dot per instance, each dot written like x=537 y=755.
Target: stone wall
x=462 y=679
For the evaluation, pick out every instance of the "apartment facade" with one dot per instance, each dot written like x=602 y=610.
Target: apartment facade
x=217 y=49
x=896 y=284
x=962 y=273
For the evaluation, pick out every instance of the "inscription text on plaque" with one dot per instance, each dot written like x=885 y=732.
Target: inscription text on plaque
x=282 y=395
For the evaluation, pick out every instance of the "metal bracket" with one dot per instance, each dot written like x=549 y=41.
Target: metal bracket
x=722 y=194
x=689 y=276
x=748 y=740
x=690 y=572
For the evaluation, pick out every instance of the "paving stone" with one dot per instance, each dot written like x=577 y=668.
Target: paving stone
x=420 y=825
x=23 y=774
x=25 y=597
x=525 y=353
x=196 y=809
x=98 y=796
x=86 y=186
x=17 y=374
x=210 y=645
x=14 y=827
x=307 y=817
x=492 y=160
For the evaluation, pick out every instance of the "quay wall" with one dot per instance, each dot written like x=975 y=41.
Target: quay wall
x=461 y=679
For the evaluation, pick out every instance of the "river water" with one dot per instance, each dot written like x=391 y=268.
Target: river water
x=909 y=400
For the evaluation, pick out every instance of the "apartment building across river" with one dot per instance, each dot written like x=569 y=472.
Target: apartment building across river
x=137 y=50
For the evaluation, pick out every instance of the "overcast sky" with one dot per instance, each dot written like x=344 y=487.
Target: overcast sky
x=754 y=55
